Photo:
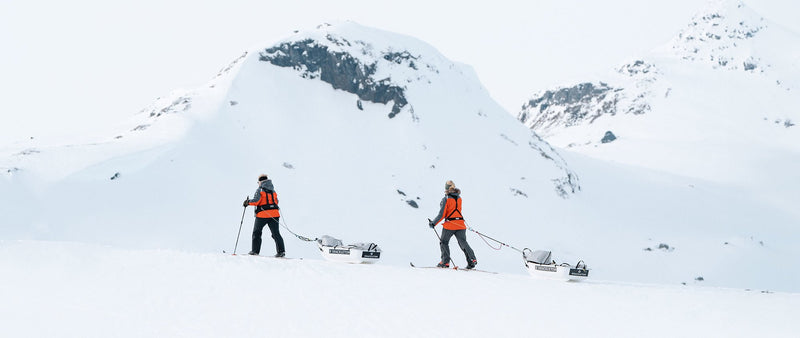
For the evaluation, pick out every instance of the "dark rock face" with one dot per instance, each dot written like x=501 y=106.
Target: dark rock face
x=608 y=137
x=341 y=70
x=572 y=98
x=570 y=106
x=583 y=103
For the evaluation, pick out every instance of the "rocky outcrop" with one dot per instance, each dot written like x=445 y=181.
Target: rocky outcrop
x=720 y=36
x=341 y=69
x=586 y=102
x=608 y=137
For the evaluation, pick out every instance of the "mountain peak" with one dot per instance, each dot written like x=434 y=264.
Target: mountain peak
x=722 y=36
x=373 y=64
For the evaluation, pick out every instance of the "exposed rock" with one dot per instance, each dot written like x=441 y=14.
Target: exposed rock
x=141 y=127
x=565 y=185
x=412 y=203
x=518 y=192
x=608 y=137
x=177 y=102
x=288 y=165
x=115 y=176
x=505 y=137
x=583 y=103
x=231 y=65
x=340 y=69
x=720 y=37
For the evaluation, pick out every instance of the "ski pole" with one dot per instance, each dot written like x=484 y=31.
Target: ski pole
x=440 y=243
x=434 y=231
x=240 y=230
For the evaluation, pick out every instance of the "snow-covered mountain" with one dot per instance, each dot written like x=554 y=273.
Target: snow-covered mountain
x=359 y=129
x=715 y=109
x=719 y=102
x=730 y=71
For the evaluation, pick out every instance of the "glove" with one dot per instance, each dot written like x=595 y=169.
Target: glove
x=245 y=203
x=431 y=224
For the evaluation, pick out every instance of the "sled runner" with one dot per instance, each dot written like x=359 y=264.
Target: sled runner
x=541 y=265
x=334 y=250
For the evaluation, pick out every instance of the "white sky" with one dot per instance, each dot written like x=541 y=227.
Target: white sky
x=69 y=67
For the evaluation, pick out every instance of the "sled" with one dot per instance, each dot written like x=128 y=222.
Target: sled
x=334 y=250
x=540 y=265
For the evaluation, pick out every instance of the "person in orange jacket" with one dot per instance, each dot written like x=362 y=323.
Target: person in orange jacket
x=267 y=213
x=454 y=225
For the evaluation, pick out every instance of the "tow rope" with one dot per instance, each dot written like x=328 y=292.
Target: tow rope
x=484 y=237
x=302 y=238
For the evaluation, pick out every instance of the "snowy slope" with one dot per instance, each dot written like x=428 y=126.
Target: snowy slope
x=357 y=126
x=345 y=162
x=94 y=291
x=717 y=104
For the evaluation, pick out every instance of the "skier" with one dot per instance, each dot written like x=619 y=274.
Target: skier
x=450 y=211
x=267 y=213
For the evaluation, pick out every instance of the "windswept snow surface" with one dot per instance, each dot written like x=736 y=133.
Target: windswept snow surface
x=76 y=290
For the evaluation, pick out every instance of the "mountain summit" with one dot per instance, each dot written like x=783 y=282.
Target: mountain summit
x=358 y=128
x=718 y=97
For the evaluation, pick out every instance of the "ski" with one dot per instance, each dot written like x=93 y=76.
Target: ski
x=453 y=268
x=246 y=255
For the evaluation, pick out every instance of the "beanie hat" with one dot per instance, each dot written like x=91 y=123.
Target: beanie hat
x=263 y=177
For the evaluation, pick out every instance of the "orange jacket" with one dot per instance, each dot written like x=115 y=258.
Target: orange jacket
x=266 y=201
x=450 y=212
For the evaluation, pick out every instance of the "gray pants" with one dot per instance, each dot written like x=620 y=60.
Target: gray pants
x=461 y=236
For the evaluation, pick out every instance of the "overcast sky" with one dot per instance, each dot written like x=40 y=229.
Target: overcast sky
x=68 y=62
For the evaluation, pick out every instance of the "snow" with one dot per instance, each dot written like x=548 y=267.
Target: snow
x=87 y=290
x=140 y=254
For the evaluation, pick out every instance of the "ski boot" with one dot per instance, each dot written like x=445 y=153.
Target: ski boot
x=443 y=265
x=471 y=264
x=253 y=253
x=280 y=254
